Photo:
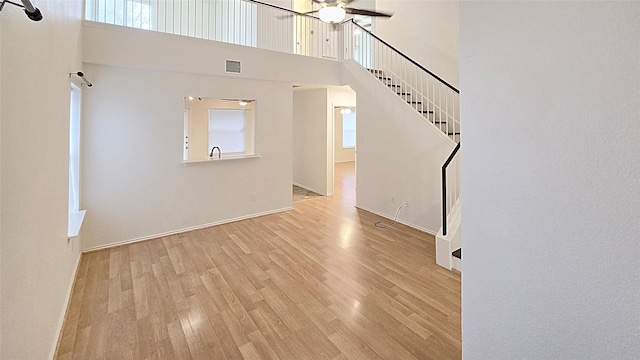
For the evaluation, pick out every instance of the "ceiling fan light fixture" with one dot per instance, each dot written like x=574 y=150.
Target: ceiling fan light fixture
x=332 y=14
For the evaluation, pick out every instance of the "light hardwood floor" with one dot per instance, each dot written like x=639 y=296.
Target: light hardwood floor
x=318 y=282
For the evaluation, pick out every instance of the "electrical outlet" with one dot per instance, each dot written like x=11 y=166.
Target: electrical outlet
x=407 y=203
x=253 y=196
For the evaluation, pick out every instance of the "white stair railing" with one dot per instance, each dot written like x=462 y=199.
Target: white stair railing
x=434 y=98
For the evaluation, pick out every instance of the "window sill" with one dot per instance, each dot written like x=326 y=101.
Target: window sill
x=75 y=222
x=223 y=158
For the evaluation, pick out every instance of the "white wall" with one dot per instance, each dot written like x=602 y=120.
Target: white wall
x=426 y=31
x=399 y=154
x=37 y=262
x=551 y=169
x=136 y=185
x=310 y=139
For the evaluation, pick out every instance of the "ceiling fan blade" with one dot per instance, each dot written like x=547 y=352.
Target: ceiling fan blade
x=296 y=13
x=309 y=12
x=366 y=12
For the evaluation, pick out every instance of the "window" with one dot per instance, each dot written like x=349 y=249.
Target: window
x=75 y=215
x=227 y=129
x=74 y=150
x=348 y=129
x=231 y=130
x=121 y=12
x=138 y=15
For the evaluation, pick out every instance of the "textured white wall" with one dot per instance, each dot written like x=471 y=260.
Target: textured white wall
x=37 y=262
x=426 y=31
x=551 y=169
x=310 y=139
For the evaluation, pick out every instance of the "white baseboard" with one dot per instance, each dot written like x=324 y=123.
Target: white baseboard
x=178 y=231
x=417 y=227
x=70 y=287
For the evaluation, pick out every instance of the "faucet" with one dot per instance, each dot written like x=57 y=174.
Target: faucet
x=213 y=149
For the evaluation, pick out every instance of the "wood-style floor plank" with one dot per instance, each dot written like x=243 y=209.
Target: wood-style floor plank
x=318 y=282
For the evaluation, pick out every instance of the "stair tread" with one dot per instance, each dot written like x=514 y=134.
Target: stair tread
x=457 y=253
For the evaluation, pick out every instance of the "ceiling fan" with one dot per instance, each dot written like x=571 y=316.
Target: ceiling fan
x=334 y=11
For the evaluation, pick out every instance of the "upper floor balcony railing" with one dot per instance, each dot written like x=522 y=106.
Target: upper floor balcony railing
x=242 y=22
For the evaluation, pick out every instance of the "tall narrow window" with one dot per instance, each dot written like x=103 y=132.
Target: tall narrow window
x=74 y=150
x=75 y=215
x=348 y=129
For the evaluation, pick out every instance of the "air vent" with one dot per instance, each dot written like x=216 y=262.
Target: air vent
x=233 y=66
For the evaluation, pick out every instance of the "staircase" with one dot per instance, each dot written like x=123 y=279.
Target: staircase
x=428 y=94
x=421 y=105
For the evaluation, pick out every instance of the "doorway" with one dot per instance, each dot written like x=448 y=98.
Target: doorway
x=319 y=141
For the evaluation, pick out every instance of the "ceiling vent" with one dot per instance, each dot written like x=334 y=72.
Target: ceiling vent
x=233 y=66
